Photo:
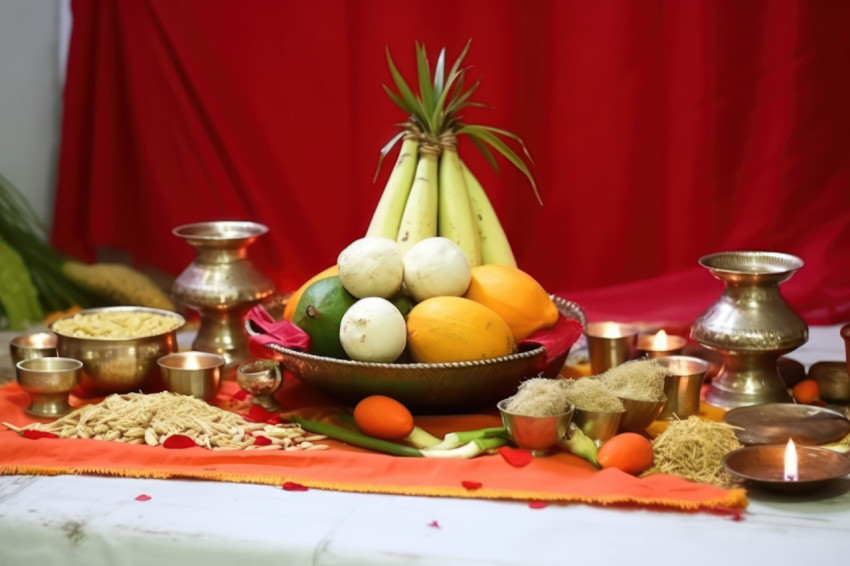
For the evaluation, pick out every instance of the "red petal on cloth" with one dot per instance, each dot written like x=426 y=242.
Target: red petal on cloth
x=537 y=504
x=143 y=497
x=258 y=414
x=240 y=395
x=36 y=434
x=292 y=486
x=179 y=441
x=262 y=441
x=516 y=457
x=435 y=524
x=471 y=484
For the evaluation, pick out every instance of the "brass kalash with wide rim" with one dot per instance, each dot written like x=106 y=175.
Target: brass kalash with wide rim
x=751 y=326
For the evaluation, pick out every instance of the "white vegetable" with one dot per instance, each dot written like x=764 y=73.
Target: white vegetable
x=436 y=267
x=371 y=267
x=373 y=330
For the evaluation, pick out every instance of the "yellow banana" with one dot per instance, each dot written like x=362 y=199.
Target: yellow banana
x=419 y=220
x=387 y=216
x=455 y=217
x=495 y=247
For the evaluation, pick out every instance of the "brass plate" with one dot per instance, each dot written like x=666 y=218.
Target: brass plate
x=775 y=423
x=764 y=466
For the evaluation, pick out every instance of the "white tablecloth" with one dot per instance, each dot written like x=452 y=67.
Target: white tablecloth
x=92 y=521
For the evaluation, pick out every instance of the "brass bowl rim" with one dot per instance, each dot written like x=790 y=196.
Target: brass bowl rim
x=127 y=308
x=74 y=365
x=220 y=360
x=255 y=229
x=835 y=457
x=571 y=409
x=798 y=263
x=416 y=365
x=49 y=335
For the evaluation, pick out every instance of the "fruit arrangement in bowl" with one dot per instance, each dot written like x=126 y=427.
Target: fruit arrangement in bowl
x=425 y=327
x=429 y=308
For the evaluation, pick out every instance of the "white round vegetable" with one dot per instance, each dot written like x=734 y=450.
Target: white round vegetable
x=371 y=267
x=373 y=330
x=436 y=267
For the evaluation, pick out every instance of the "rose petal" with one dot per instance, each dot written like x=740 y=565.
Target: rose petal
x=240 y=395
x=260 y=415
x=36 y=434
x=143 y=497
x=292 y=486
x=262 y=440
x=435 y=524
x=179 y=441
x=471 y=484
x=516 y=457
x=537 y=504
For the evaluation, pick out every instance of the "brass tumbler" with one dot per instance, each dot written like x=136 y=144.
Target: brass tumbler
x=682 y=387
x=49 y=382
x=609 y=344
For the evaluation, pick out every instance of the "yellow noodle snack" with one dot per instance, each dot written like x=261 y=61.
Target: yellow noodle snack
x=118 y=324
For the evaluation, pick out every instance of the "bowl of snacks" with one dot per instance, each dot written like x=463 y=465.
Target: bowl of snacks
x=118 y=346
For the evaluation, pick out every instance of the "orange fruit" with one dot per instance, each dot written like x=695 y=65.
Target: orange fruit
x=629 y=452
x=515 y=296
x=383 y=417
x=292 y=302
x=806 y=391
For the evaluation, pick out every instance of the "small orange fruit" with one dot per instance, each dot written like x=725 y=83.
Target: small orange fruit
x=383 y=417
x=806 y=392
x=629 y=452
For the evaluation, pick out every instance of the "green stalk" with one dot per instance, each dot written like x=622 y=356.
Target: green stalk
x=355 y=437
x=468 y=450
x=455 y=439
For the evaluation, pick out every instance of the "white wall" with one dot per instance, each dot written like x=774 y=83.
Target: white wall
x=30 y=97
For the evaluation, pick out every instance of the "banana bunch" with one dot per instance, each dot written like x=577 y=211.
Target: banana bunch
x=431 y=192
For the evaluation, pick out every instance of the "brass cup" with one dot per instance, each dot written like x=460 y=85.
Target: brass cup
x=599 y=426
x=537 y=434
x=683 y=386
x=261 y=378
x=32 y=346
x=609 y=344
x=49 y=381
x=639 y=414
x=197 y=374
x=646 y=346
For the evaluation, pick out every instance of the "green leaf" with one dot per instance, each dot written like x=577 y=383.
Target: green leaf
x=440 y=73
x=407 y=95
x=508 y=134
x=438 y=118
x=424 y=71
x=396 y=100
x=461 y=101
x=485 y=151
x=493 y=141
x=388 y=147
x=456 y=65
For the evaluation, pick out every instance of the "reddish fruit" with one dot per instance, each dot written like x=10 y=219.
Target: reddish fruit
x=383 y=417
x=629 y=452
x=806 y=392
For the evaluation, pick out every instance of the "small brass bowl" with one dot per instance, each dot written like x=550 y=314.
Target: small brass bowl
x=537 y=434
x=49 y=381
x=683 y=386
x=261 y=378
x=197 y=374
x=112 y=365
x=599 y=426
x=639 y=414
x=32 y=346
x=765 y=465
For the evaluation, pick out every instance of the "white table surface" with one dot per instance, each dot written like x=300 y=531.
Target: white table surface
x=85 y=520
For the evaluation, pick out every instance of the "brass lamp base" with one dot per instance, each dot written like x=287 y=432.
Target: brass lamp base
x=747 y=379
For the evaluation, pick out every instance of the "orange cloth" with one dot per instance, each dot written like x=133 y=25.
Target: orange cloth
x=560 y=477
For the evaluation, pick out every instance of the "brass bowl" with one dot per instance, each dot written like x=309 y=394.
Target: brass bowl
x=599 y=426
x=48 y=381
x=639 y=414
x=32 y=346
x=112 y=365
x=436 y=388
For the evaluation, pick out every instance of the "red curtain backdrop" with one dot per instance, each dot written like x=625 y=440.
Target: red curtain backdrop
x=661 y=131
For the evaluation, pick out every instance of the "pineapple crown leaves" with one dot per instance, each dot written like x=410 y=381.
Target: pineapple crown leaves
x=434 y=111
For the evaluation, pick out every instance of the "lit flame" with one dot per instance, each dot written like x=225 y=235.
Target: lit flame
x=191 y=362
x=791 y=462
x=612 y=330
x=660 y=341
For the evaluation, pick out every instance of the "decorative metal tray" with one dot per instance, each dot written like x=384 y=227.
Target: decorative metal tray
x=775 y=423
x=437 y=388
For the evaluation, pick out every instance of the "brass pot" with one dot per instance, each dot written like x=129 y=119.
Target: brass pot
x=221 y=284
x=751 y=326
